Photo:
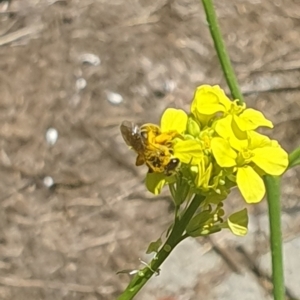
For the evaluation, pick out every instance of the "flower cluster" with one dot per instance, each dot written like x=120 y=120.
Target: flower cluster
x=218 y=148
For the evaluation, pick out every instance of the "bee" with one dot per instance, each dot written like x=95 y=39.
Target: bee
x=152 y=147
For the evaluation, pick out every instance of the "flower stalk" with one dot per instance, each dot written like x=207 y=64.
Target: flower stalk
x=273 y=196
x=272 y=183
x=175 y=237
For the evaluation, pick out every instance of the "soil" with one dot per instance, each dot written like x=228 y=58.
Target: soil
x=81 y=68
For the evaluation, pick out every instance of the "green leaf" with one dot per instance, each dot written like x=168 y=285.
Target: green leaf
x=195 y=226
x=155 y=182
x=294 y=158
x=238 y=223
x=154 y=246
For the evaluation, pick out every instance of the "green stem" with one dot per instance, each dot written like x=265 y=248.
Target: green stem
x=175 y=237
x=272 y=183
x=221 y=51
x=273 y=196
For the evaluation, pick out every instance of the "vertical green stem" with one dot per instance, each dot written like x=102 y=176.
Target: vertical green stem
x=272 y=183
x=273 y=195
x=221 y=51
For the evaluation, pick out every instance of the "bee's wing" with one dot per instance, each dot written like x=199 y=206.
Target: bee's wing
x=128 y=130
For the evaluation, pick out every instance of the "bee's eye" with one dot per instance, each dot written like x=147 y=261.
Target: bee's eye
x=174 y=162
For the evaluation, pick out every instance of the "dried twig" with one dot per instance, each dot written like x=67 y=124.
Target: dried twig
x=11 y=37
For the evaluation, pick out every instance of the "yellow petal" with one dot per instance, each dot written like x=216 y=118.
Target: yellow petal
x=251 y=119
x=223 y=127
x=174 y=120
x=207 y=100
x=273 y=160
x=228 y=130
x=257 y=140
x=250 y=184
x=188 y=151
x=223 y=153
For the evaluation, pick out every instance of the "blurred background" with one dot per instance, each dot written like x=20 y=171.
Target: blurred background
x=74 y=209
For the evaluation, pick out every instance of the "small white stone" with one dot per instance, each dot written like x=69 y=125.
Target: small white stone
x=51 y=136
x=90 y=58
x=80 y=83
x=170 y=86
x=48 y=181
x=114 y=98
x=5 y=6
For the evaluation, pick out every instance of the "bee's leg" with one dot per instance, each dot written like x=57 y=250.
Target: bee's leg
x=140 y=160
x=150 y=170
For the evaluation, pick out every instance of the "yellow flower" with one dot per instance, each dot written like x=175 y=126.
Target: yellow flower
x=208 y=100
x=217 y=148
x=251 y=158
x=238 y=121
